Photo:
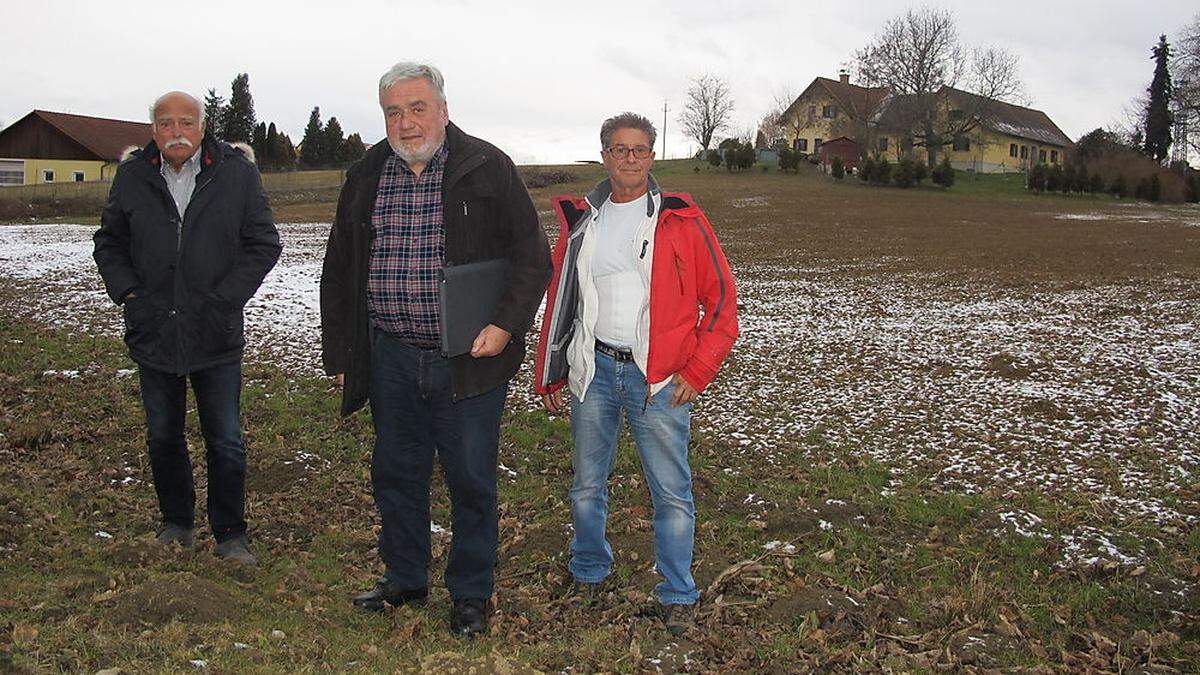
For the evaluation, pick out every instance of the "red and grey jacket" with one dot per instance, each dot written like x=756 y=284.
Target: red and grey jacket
x=688 y=272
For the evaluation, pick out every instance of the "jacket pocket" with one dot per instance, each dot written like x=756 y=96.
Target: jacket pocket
x=221 y=322
x=141 y=324
x=679 y=271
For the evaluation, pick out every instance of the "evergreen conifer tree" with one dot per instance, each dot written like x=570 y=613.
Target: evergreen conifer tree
x=214 y=112
x=312 y=146
x=355 y=148
x=1158 y=113
x=335 y=143
x=258 y=141
x=269 y=158
x=238 y=122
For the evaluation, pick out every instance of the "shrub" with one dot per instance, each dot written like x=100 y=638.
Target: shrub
x=1054 y=178
x=1142 y=190
x=731 y=155
x=837 y=168
x=1192 y=193
x=883 y=172
x=1119 y=188
x=746 y=156
x=1096 y=184
x=866 y=169
x=539 y=178
x=1066 y=178
x=1154 y=189
x=920 y=170
x=714 y=158
x=943 y=174
x=905 y=175
x=1036 y=178
x=1082 y=179
x=787 y=160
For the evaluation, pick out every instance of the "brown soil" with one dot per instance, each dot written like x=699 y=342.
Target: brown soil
x=180 y=596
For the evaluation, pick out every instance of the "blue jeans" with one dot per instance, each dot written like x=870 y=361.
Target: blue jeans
x=661 y=433
x=414 y=415
x=218 y=401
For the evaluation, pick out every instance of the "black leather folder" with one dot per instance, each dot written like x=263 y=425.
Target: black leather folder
x=467 y=298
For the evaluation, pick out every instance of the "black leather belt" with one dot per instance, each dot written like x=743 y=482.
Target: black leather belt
x=616 y=353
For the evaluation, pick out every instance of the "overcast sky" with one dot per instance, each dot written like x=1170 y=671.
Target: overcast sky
x=538 y=78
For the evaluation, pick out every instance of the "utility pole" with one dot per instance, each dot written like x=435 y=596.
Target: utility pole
x=664 y=129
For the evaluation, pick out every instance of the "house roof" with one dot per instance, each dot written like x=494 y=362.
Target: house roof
x=1015 y=120
x=1001 y=117
x=106 y=138
x=858 y=102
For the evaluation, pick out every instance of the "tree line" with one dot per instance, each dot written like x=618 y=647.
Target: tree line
x=233 y=120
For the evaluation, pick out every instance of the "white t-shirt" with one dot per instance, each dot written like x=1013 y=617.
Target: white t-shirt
x=615 y=271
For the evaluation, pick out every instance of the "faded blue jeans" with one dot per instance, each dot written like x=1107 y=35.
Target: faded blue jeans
x=661 y=434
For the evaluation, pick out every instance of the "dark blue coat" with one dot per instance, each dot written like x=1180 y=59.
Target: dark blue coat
x=191 y=275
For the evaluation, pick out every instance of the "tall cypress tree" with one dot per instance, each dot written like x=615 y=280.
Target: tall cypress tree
x=239 y=122
x=270 y=157
x=259 y=142
x=214 y=112
x=312 y=146
x=335 y=143
x=354 y=148
x=1158 y=112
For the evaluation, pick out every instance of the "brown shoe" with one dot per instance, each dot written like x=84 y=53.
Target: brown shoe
x=679 y=619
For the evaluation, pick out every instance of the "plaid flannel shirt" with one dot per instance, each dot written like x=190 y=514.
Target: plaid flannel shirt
x=408 y=251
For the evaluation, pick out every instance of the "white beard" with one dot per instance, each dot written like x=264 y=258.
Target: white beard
x=420 y=154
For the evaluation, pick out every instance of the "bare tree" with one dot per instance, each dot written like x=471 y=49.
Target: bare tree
x=1185 y=69
x=939 y=89
x=707 y=109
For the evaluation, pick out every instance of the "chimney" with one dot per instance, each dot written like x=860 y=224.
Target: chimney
x=844 y=76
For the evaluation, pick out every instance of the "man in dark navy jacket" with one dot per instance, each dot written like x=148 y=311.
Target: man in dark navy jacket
x=185 y=240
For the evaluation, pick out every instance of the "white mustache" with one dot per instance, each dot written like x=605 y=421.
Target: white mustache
x=179 y=141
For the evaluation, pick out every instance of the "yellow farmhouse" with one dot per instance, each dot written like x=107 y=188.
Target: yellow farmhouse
x=1000 y=138
x=52 y=147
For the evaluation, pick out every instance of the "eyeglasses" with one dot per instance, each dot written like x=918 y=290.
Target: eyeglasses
x=621 y=151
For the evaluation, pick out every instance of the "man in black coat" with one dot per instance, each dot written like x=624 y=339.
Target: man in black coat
x=429 y=198
x=185 y=240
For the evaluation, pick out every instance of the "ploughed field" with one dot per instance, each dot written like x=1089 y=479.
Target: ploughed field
x=959 y=429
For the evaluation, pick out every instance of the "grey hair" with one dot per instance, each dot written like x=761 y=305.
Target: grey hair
x=626 y=120
x=158 y=101
x=407 y=70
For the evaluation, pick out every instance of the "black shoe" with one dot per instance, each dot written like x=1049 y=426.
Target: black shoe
x=679 y=619
x=391 y=593
x=468 y=617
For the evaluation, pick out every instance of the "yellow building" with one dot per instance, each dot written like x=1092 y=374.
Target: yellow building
x=50 y=147
x=984 y=135
x=827 y=109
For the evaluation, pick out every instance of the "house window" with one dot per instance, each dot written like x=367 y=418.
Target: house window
x=801 y=144
x=956 y=114
x=47 y=175
x=812 y=111
x=1041 y=156
x=1012 y=149
x=962 y=144
x=78 y=176
x=816 y=144
x=1054 y=157
x=829 y=111
x=883 y=143
x=1024 y=152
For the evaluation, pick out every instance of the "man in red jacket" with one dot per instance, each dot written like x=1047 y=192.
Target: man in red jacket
x=623 y=332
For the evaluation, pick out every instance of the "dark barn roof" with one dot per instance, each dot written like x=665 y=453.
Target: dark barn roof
x=52 y=135
x=1006 y=118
